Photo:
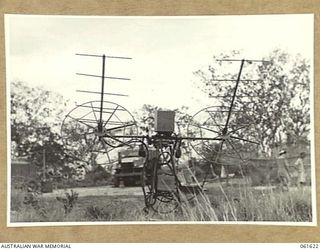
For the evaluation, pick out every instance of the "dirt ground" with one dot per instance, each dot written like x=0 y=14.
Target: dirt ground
x=127 y=191
x=98 y=191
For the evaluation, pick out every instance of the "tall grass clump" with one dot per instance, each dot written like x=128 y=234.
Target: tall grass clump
x=220 y=202
x=115 y=210
x=68 y=201
x=243 y=203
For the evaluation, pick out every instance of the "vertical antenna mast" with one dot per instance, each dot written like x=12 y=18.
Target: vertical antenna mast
x=233 y=97
x=102 y=91
x=225 y=129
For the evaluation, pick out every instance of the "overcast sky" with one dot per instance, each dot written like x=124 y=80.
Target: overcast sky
x=40 y=50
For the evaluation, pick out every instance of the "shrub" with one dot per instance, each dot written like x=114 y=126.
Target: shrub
x=68 y=201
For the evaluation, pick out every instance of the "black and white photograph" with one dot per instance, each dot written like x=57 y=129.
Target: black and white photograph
x=160 y=119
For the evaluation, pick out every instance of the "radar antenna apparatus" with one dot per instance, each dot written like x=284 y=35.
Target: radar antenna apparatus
x=228 y=124
x=99 y=127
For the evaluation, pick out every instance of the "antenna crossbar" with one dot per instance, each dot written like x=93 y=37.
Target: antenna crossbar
x=238 y=96
x=95 y=92
x=114 y=57
x=104 y=108
x=240 y=60
x=234 y=80
x=107 y=77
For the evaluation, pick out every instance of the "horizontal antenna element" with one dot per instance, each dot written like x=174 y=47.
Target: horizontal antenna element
x=114 y=57
x=95 y=92
x=234 y=80
x=108 y=77
x=240 y=60
x=240 y=96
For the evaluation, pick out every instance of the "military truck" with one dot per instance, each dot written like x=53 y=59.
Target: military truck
x=129 y=168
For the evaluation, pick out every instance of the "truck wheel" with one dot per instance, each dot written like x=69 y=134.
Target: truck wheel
x=116 y=182
x=127 y=182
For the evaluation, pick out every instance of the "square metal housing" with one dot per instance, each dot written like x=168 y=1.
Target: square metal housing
x=164 y=121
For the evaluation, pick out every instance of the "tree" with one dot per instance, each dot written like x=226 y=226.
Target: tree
x=146 y=121
x=146 y=118
x=278 y=102
x=36 y=116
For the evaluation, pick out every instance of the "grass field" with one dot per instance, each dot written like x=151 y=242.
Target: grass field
x=220 y=202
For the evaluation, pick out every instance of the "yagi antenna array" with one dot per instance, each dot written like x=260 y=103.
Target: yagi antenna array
x=103 y=77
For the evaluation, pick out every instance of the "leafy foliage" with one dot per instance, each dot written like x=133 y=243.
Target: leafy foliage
x=33 y=200
x=68 y=201
x=146 y=118
x=36 y=116
x=146 y=121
